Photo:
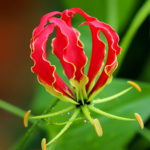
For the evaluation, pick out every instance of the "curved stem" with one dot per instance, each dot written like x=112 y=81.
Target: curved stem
x=53 y=114
x=75 y=114
x=109 y=115
x=111 y=97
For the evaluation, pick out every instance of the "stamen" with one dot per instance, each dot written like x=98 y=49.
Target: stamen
x=87 y=113
x=43 y=144
x=111 y=97
x=140 y=120
x=135 y=85
x=98 y=127
x=75 y=114
x=109 y=115
x=53 y=114
x=26 y=118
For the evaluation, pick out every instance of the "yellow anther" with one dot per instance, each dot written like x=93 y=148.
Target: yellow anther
x=140 y=120
x=43 y=144
x=26 y=118
x=98 y=127
x=135 y=85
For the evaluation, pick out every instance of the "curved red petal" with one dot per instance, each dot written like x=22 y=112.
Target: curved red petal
x=46 y=71
x=97 y=56
x=43 y=21
x=98 y=48
x=69 y=50
x=69 y=13
x=113 y=51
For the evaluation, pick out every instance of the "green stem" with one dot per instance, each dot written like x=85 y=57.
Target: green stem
x=12 y=109
x=25 y=138
x=53 y=114
x=98 y=101
x=109 y=115
x=75 y=114
x=136 y=23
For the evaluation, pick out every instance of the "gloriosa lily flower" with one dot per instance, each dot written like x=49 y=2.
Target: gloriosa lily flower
x=69 y=50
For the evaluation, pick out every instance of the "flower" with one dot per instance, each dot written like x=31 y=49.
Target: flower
x=69 y=50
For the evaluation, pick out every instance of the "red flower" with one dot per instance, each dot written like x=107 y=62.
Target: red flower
x=69 y=50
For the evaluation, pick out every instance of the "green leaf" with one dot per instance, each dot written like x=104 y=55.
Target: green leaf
x=117 y=134
x=146 y=134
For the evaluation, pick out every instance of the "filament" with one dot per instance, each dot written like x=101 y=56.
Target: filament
x=109 y=115
x=111 y=97
x=53 y=114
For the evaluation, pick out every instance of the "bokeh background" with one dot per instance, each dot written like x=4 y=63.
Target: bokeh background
x=18 y=85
